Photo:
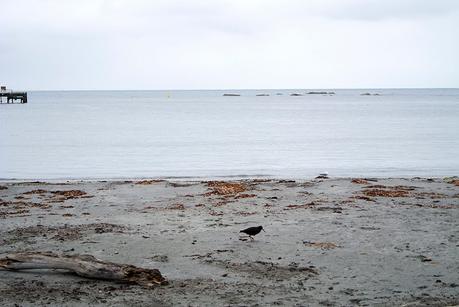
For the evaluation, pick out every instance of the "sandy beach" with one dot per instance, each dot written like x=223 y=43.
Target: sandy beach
x=328 y=242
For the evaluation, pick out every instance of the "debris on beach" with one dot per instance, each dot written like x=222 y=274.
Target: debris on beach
x=52 y=196
x=423 y=258
x=179 y=184
x=37 y=191
x=332 y=209
x=85 y=266
x=148 y=181
x=431 y=195
x=23 y=183
x=362 y=197
x=396 y=187
x=20 y=204
x=286 y=181
x=302 y=206
x=225 y=188
x=59 y=233
x=209 y=254
x=265 y=269
x=176 y=207
x=385 y=193
x=171 y=207
x=245 y=213
x=359 y=181
x=160 y=258
x=261 y=180
x=245 y=196
x=69 y=194
x=434 y=206
x=452 y=180
x=321 y=245
x=15 y=213
x=18 y=207
x=215 y=213
x=2 y=187
x=57 y=196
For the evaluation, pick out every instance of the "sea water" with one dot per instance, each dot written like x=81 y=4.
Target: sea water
x=125 y=134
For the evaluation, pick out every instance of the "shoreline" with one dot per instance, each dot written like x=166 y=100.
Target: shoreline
x=328 y=242
x=215 y=178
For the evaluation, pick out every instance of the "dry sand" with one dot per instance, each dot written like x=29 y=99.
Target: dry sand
x=330 y=242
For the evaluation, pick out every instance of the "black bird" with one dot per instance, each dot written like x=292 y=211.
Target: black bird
x=252 y=231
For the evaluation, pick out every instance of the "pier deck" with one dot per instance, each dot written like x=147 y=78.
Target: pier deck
x=12 y=96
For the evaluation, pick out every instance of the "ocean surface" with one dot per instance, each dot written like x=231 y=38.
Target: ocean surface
x=127 y=134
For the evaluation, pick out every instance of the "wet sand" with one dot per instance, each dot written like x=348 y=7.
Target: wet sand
x=328 y=242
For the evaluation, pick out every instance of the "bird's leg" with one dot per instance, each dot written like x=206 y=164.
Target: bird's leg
x=252 y=238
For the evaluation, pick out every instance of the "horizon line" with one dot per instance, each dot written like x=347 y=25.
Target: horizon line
x=249 y=89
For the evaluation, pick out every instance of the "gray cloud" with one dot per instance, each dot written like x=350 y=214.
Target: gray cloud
x=376 y=10
x=229 y=44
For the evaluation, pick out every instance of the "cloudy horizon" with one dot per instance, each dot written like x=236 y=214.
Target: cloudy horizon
x=54 y=45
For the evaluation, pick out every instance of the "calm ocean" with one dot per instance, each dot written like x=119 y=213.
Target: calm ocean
x=121 y=134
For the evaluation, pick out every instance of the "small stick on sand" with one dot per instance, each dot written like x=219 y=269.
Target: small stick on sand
x=85 y=266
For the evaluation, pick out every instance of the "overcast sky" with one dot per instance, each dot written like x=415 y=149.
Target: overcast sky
x=194 y=44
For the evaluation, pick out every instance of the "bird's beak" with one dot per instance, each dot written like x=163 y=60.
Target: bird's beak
x=263 y=229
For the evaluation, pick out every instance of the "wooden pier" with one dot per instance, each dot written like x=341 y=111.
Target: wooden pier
x=12 y=96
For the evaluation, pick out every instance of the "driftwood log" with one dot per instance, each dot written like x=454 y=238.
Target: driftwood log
x=85 y=266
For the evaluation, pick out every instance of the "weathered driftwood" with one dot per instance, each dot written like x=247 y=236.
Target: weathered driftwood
x=83 y=265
